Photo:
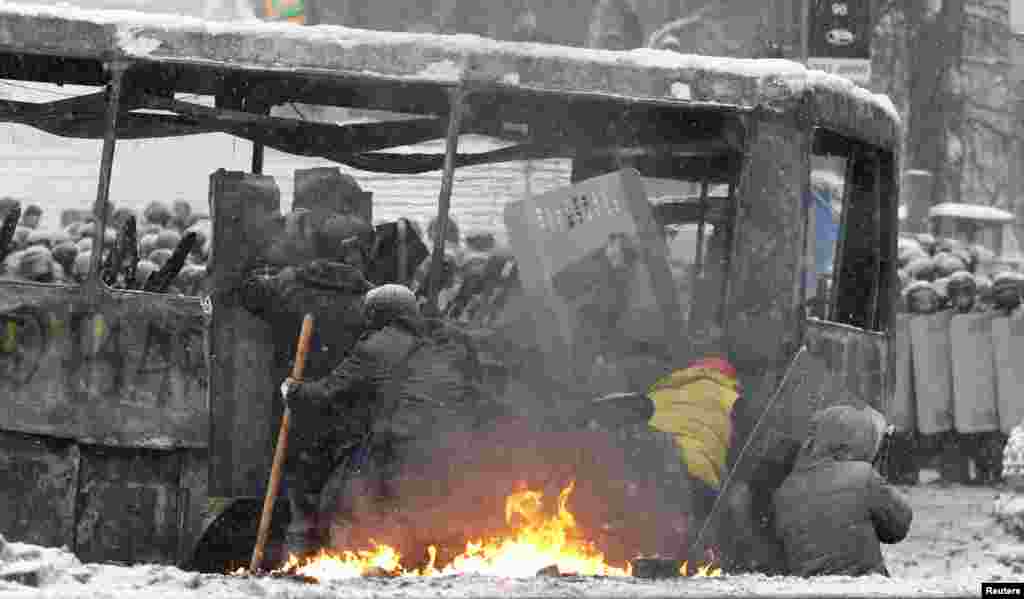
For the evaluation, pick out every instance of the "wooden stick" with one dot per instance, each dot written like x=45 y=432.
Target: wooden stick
x=99 y=210
x=279 y=451
x=448 y=176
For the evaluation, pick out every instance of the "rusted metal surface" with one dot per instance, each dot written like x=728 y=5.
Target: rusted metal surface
x=854 y=365
x=129 y=505
x=193 y=490
x=127 y=373
x=37 y=496
x=243 y=412
x=761 y=319
x=842 y=366
x=322 y=187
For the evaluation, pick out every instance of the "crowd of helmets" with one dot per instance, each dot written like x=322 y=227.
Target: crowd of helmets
x=946 y=274
x=478 y=275
x=136 y=248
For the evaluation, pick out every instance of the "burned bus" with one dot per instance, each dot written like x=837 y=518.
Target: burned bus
x=665 y=215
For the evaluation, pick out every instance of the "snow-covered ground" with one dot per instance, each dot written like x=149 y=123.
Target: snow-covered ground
x=955 y=544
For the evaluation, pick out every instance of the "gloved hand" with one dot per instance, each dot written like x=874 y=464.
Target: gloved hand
x=289 y=391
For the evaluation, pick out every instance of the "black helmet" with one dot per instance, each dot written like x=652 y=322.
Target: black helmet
x=981 y=255
x=984 y=287
x=927 y=242
x=946 y=264
x=922 y=298
x=941 y=287
x=961 y=282
x=157 y=213
x=966 y=257
x=910 y=252
x=921 y=269
x=1007 y=288
x=65 y=254
x=388 y=302
x=962 y=290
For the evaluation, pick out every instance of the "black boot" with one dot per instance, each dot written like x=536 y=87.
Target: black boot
x=304 y=537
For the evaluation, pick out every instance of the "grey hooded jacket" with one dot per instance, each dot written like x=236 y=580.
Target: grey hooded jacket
x=834 y=509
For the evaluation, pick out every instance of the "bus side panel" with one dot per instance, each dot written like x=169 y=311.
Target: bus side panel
x=128 y=505
x=842 y=366
x=37 y=497
x=244 y=415
x=130 y=373
x=760 y=319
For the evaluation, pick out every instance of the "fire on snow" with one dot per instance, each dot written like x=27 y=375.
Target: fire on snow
x=538 y=542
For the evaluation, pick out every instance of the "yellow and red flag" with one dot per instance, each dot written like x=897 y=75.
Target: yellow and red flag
x=695 y=405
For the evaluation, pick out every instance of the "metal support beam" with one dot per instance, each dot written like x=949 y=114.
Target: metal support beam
x=805 y=30
x=257 y=147
x=257 y=158
x=451 y=148
x=114 y=89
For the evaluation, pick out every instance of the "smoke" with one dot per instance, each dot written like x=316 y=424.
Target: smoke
x=452 y=489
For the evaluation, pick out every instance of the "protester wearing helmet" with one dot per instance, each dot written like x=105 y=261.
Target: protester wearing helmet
x=922 y=298
x=143 y=270
x=65 y=253
x=1007 y=289
x=168 y=239
x=310 y=269
x=921 y=269
x=37 y=265
x=927 y=242
x=393 y=387
x=961 y=289
x=157 y=213
x=80 y=269
x=947 y=263
x=31 y=217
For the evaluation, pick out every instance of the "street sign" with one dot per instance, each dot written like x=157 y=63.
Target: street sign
x=839 y=38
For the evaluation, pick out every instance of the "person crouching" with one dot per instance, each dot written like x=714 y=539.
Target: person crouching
x=834 y=510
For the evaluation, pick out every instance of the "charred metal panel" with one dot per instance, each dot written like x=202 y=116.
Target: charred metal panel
x=242 y=412
x=130 y=372
x=842 y=365
x=37 y=497
x=193 y=490
x=761 y=318
x=853 y=366
x=129 y=505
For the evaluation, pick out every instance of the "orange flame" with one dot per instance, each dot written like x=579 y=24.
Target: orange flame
x=538 y=542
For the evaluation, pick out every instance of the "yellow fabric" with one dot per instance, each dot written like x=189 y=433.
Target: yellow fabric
x=695 y=406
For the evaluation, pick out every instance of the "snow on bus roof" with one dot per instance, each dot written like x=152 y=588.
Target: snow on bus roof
x=971 y=211
x=433 y=58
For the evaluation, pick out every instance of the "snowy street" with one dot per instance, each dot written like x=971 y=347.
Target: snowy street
x=953 y=546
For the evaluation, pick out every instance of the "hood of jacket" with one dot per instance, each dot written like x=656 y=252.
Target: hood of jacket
x=845 y=433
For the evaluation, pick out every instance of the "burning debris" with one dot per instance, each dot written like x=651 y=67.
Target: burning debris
x=538 y=543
